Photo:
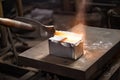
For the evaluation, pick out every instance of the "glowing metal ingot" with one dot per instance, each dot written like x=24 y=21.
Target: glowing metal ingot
x=66 y=44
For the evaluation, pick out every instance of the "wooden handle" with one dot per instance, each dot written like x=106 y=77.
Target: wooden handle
x=16 y=24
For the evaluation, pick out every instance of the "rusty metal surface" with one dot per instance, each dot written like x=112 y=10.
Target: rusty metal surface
x=100 y=46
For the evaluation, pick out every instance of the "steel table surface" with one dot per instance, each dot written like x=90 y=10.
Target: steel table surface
x=100 y=46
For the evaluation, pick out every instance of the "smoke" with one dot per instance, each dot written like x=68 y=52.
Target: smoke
x=81 y=8
x=79 y=21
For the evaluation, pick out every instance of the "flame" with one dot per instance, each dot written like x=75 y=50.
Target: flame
x=80 y=29
x=69 y=37
x=79 y=21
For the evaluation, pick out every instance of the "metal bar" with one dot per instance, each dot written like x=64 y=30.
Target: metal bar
x=19 y=7
x=12 y=44
x=12 y=70
x=102 y=4
x=3 y=30
x=1 y=11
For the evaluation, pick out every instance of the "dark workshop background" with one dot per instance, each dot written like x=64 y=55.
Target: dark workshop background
x=61 y=14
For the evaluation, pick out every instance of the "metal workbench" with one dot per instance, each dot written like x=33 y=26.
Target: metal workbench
x=100 y=47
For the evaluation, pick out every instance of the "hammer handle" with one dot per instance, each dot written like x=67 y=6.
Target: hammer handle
x=16 y=24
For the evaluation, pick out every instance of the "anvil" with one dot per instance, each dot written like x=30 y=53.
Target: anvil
x=100 y=47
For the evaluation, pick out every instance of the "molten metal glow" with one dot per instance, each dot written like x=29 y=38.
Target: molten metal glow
x=80 y=29
x=69 y=37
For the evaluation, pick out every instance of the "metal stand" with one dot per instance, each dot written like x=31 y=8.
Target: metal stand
x=6 y=36
x=4 y=41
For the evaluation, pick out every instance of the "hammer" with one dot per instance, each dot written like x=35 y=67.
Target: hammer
x=22 y=25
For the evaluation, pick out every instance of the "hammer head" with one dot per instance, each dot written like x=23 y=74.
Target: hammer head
x=50 y=30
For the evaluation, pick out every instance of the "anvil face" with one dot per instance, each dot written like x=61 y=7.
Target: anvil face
x=100 y=47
